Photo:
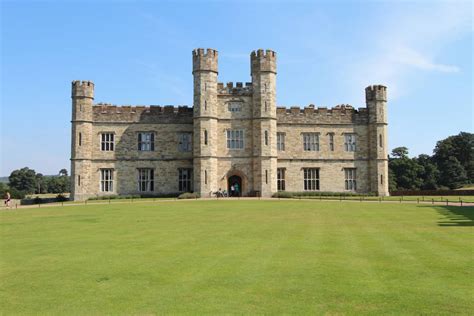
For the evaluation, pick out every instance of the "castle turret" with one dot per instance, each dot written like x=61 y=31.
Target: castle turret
x=81 y=142
x=205 y=72
x=263 y=72
x=376 y=99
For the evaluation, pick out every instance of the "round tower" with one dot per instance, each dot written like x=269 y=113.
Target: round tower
x=82 y=94
x=205 y=70
x=376 y=99
x=263 y=71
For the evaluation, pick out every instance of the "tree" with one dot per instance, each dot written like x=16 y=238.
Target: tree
x=453 y=173
x=63 y=172
x=430 y=173
x=406 y=171
x=461 y=147
x=23 y=180
x=400 y=152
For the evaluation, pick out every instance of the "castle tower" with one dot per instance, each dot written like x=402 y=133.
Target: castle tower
x=263 y=72
x=81 y=152
x=205 y=121
x=376 y=99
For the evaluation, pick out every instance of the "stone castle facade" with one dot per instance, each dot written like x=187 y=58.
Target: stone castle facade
x=232 y=135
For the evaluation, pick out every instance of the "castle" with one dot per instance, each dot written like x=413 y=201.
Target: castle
x=233 y=135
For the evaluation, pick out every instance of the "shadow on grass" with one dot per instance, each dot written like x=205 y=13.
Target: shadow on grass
x=456 y=216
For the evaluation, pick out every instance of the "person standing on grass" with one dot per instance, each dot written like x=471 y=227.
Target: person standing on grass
x=7 y=199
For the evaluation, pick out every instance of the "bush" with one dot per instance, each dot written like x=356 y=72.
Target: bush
x=283 y=195
x=188 y=195
x=37 y=200
x=287 y=194
x=61 y=198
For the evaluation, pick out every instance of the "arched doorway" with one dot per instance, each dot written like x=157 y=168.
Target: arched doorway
x=236 y=182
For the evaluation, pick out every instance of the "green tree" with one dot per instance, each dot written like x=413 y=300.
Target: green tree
x=430 y=173
x=459 y=146
x=23 y=180
x=406 y=171
x=400 y=152
x=453 y=173
x=63 y=172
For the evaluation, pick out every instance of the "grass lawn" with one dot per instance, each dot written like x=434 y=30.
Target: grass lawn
x=237 y=257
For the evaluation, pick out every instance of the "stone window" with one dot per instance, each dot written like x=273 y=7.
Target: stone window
x=311 y=141
x=185 y=179
x=350 y=179
x=311 y=179
x=235 y=106
x=205 y=105
x=146 y=180
x=184 y=142
x=266 y=106
x=331 y=141
x=381 y=179
x=235 y=139
x=281 y=179
x=266 y=138
x=205 y=176
x=266 y=176
x=78 y=180
x=146 y=141
x=106 y=180
x=380 y=141
x=80 y=139
x=205 y=137
x=281 y=141
x=350 y=142
x=107 y=141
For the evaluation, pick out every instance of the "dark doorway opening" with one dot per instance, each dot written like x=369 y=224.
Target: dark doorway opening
x=235 y=183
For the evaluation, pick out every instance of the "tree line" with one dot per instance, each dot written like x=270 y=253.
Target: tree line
x=450 y=167
x=26 y=181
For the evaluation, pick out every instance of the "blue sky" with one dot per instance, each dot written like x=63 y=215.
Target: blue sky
x=139 y=53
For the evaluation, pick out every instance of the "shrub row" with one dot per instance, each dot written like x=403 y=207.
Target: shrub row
x=432 y=192
x=133 y=196
x=287 y=194
x=188 y=195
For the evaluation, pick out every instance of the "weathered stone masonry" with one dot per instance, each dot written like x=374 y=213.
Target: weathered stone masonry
x=217 y=108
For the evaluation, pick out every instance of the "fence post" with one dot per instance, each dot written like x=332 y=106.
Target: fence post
x=423 y=198
x=418 y=200
x=461 y=202
x=400 y=200
x=447 y=202
x=432 y=201
x=109 y=200
x=62 y=203
x=16 y=205
x=380 y=200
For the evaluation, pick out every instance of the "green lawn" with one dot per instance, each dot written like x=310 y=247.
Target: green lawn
x=237 y=257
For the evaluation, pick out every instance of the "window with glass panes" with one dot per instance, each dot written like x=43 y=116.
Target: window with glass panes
x=185 y=180
x=146 y=180
x=106 y=180
x=311 y=179
x=107 y=141
x=184 y=141
x=281 y=179
x=146 y=141
x=350 y=179
x=281 y=141
x=235 y=139
x=311 y=141
x=349 y=142
x=331 y=141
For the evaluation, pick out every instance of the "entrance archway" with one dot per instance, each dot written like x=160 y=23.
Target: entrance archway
x=236 y=182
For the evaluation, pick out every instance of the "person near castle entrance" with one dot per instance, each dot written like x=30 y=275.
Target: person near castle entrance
x=232 y=190
x=236 y=188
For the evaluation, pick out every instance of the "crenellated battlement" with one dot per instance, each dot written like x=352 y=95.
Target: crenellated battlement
x=103 y=112
x=263 y=61
x=238 y=89
x=376 y=93
x=343 y=113
x=205 y=60
x=84 y=88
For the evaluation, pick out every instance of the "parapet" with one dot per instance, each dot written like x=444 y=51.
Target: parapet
x=239 y=88
x=263 y=61
x=103 y=112
x=83 y=88
x=340 y=114
x=205 y=60
x=376 y=93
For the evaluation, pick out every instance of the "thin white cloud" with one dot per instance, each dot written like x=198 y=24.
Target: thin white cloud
x=409 y=57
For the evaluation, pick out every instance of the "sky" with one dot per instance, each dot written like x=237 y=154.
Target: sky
x=139 y=53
